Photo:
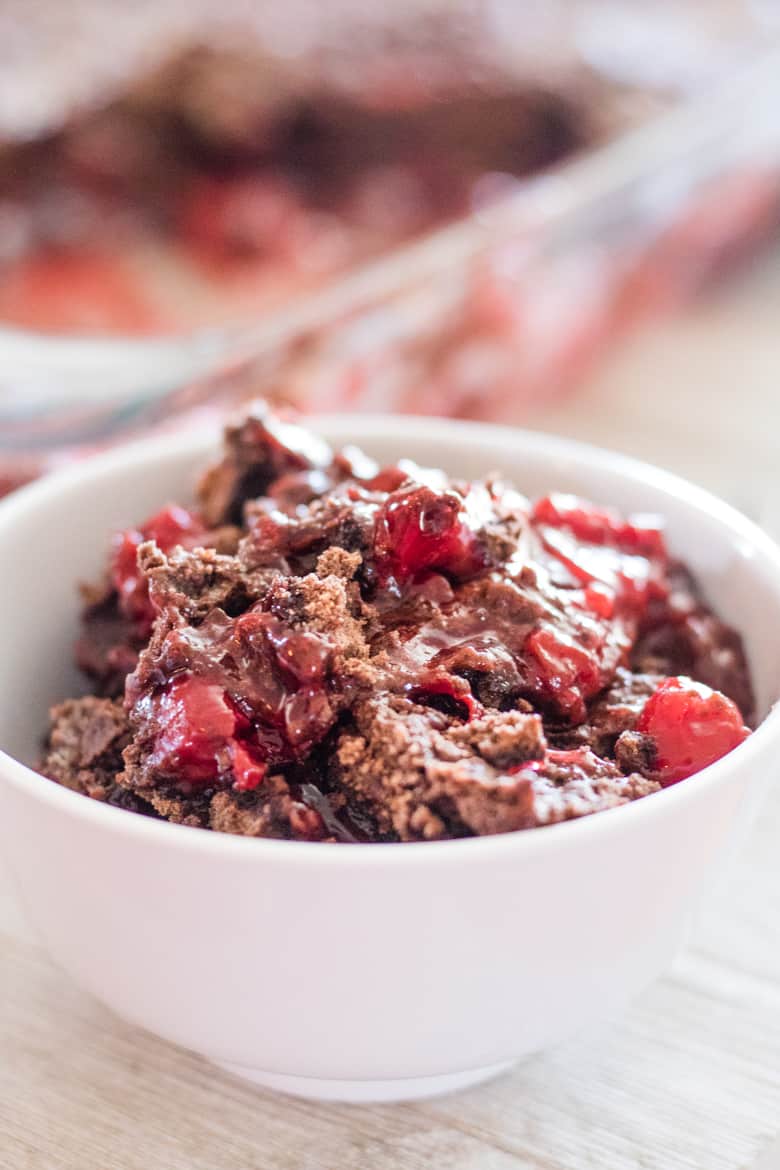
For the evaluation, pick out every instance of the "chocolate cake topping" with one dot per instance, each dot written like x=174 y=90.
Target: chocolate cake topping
x=326 y=650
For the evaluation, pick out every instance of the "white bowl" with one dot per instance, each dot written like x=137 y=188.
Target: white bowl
x=378 y=971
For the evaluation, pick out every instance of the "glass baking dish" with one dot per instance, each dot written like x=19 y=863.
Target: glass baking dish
x=478 y=318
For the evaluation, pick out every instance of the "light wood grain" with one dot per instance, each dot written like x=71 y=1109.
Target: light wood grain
x=688 y=1079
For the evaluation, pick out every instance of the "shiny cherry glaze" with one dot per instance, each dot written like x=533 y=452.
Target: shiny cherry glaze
x=235 y=695
x=566 y=615
x=419 y=530
x=601 y=526
x=612 y=570
x=168 y=528
x=449 y=693
x=205 y=739
x=200 y=736
x=691 y=726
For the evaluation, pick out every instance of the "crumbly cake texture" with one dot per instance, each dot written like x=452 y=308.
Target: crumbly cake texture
x=327 y=650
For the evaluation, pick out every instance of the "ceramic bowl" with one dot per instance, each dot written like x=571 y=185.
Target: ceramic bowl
x=376 y=971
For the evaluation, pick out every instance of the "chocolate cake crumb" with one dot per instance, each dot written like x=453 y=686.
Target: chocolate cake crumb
x=504 y=739
x=618 y=708
x=327 y=606
x=294 y=543
x=421 y=774
x=337 y=562
x=635 y=752
x=180 y=809
x=273 y=812
x=581 y=786
x=199 y=580
x=259 y=450
x=85 y=743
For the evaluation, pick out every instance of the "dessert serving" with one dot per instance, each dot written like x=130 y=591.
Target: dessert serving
x=380 y=658
x=323 y=649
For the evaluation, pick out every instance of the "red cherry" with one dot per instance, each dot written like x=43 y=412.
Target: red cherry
x=241 y=217
x=303 y=655
x=248 y=772
x=196 y=743
x=622 y=561
x=286 y=682
x=172 y=526
x=252 y=689
x=418 y=529
x=196 y=724
x=131 y=587
x=600 y=600
x=562 y=671
x=77 y=290
x=691 y=726
x=594 y=525
x=387 y=479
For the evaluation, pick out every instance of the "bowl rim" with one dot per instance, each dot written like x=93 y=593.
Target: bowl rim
x=197 y=444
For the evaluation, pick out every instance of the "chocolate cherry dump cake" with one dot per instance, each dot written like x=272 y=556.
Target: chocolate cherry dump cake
x=323 y=649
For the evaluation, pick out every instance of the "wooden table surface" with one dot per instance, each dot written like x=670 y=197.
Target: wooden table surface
x=688 y=1078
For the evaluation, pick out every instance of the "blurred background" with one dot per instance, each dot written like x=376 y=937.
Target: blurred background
x=561 y=214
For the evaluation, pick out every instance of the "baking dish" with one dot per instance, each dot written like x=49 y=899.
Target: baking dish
x=488 y=314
